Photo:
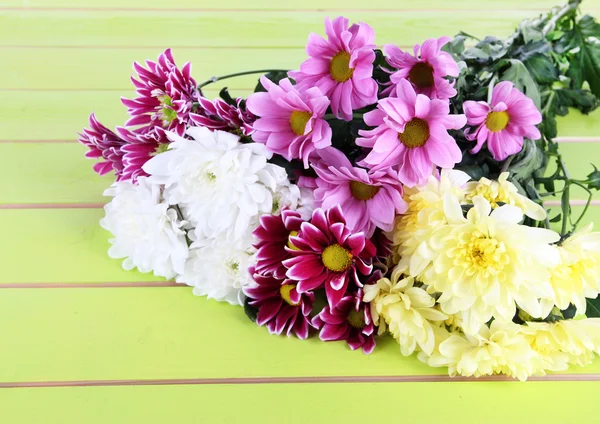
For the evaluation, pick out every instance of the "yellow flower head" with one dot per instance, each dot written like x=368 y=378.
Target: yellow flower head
x=486 y=264
x=577 y=276
x=425 y=211
x=564 y=343
x=498 y=349
x=503 y=191
x=405 y=311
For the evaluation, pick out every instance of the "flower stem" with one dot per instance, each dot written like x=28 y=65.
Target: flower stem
x=566 y=9
x=506 y=163
x=238 y=74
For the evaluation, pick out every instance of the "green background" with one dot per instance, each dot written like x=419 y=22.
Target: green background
x=71 y=319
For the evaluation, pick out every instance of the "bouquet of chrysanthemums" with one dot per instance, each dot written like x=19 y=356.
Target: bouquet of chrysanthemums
x=375 y=191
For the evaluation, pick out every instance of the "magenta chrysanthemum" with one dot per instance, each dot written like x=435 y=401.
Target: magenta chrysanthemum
x=290 y=121
x=165 y=95
x=280 y=307
x=350 y=320
x=105 y=144
x=427 y=70
x=411 y=135
x=220 y=115
x=273 y=235
x=140 y=148
x=369 y=199
x=327 y=253
x=504 y=123
x=341 y=66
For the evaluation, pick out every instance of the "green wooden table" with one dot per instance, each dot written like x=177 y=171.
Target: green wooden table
x=83 y=341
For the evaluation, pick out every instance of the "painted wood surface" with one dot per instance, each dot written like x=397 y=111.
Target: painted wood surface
x=71 y=316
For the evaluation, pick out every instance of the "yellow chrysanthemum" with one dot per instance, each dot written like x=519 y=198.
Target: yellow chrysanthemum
x=499 y=349
x=564 y=343
x=486 y=264
x=425 y=212
x=405 y=311
x=578 y=274
x=503 y=191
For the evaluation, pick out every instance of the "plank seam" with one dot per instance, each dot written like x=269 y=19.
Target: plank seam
x=90 y=285
x=296 y=380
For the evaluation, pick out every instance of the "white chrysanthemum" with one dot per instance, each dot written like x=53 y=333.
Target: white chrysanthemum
x=499 y=349
x=221 y=185
x=487 y=263
x=147 y=232
x=405 y=311
x=502 y=191
x=577 y=277
x=425 y=213
x=218 y=269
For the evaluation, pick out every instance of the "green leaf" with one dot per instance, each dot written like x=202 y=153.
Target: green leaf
x=516 y=72
x=541 y=69
x=549 y=186
x=273 y=76
x=556 y=218
x=593 y=308
x=224 y=94
x=250 y=311
x=529 y=160
x=593 y=179
x=585 y=64
x=570 y=312
x=583 y=100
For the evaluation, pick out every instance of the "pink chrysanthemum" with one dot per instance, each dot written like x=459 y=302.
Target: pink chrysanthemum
x=350 y=320
x=427 y=70
x=105 y=144
x=273 y=236
x=280 y=307
x=504 y=123
x=341 y=66
x=326 y=253
x=165 y=95
x=291 y=122
x=220 y=115
x=411 y=135
x=139 y=149
x=369 y=199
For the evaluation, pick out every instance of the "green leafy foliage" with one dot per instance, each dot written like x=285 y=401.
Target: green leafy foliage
x=555 y=60
x=593 y=308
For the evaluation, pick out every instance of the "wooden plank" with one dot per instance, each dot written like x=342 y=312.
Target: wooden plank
x=458 y=403
x=163 y=333
x=49 y=173
x=58 y=115
x=78 y=68
x=69 y=246
x=237 y=5
x=58 y=246
x=56 y=173
x=214 y=29
x=168 y=333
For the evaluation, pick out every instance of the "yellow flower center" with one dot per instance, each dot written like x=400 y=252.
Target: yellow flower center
x=416 y=133
x=162 y=147
x=298 y=121
x=339 y=68
x=421 y=75
x=284 y=291
x=497 y=121
x=290 y=244
x=362 y=191
x=356 y=319
x=480 y=253
x=487 y=192
x=336 y=258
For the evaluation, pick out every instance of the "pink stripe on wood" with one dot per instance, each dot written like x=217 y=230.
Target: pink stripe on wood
x=296 y=380
x=89 y=285
x=52 y=206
